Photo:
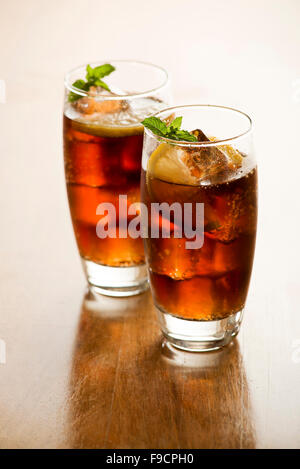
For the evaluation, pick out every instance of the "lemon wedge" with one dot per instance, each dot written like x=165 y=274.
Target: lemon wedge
x=166 y=163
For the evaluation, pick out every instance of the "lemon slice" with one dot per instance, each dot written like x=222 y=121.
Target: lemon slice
x=99 y=130
x=166 y=163
x=177 y=165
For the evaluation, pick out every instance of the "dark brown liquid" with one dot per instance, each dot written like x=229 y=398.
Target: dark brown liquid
x=98 y=169
x=211 y=282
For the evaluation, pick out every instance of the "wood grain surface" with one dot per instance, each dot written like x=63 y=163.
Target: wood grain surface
x=131 y=391
x=83 y=371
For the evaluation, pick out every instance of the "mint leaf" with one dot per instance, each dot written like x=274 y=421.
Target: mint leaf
x=73 y=97
x=185 y=135
x=81 y=85
x=156 y=126
x=176 y=123
x=172 y=131
x=103 y=70
x=93 y=78
x=89 y=73
x=101 y=83
x=92 y=74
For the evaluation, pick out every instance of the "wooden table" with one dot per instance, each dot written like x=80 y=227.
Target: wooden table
x=88 y=372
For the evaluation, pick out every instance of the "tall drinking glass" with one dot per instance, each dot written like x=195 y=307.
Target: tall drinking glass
x=103 y=138
x=201 y=204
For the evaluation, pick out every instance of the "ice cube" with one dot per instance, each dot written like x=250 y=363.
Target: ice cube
x=193 y=165
x=90 y=105
x=169 y=256
x=208 y=164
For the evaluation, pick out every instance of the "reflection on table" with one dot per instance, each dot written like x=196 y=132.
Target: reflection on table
x=129 y=389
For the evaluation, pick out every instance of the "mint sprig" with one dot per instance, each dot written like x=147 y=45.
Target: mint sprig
x=93 y=78
x=172 y=131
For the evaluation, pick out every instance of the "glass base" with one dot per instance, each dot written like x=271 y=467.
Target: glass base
x=199 y=336
x=116 y=281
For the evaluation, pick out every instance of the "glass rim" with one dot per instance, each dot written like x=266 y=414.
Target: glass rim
x=201 y=144
x=83 y=93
